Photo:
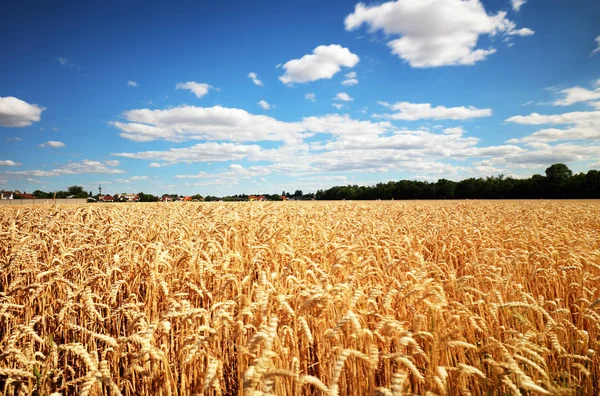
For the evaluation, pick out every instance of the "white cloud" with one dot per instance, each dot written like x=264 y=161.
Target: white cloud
x=338 y=106
x=310 y=96
x=350 y=79
x=255 y=79
x=454 y=131
x=334 y=178
x=111 y=163
x=131 y=83
x=434 y=32
x=13 y=139
x=221 y=123
x=264 y=105
x=352 y=146
x=565 y=118
x=72 y=168
x=8 y=163
x=53 y=144
x=198 y=89
x=517 y=4
x=576 y=95
x=18 y=113
x=136 y=178
x=421 y=111
x=343 y=96
x=546 y=155
x=523 y=32
x=203 y=123
x=155 y=165
x=597 y=49
x=203 y=152
x=581 y=125
x=234 y=173
x=323 y=63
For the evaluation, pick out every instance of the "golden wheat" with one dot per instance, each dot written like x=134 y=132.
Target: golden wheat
x=274 y=299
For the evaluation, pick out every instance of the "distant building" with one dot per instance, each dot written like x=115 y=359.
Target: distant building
x=253 y=198
x=107 y=198
x=166 y=198
x=130 y=197
x=6 y=194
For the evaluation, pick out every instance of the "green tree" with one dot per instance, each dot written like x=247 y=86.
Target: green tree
x=41 y=194
x=557 y=177
x=77 y=191
x=558 y=173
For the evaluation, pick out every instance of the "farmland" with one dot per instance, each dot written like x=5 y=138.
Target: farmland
x=301 y=298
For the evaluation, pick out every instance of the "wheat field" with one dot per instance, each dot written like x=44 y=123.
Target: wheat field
x=343 y=298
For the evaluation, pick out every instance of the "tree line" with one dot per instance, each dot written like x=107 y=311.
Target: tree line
x=558 y=182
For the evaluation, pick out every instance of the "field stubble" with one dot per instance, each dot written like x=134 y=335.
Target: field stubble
x=344 y=298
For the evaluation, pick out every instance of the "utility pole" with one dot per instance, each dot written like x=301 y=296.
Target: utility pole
x=100 y=189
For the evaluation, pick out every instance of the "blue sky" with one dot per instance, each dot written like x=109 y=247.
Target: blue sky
x=226 y=97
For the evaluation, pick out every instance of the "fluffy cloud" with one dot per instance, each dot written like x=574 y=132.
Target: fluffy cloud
x=544 y=155
x=323 y=63
x=52 y=144
x=343 y=96
x=72 y=168
x=517 y=4
x=155 y=165
x=255 y=79
x=221 y=123
x=565 y=118
x=264 y=104
x=352 y=146
x=8 y=163
x=203 y=123
x=597 y=49
x=454 y=131
x=523 y=32
x=576 y=95
x=111 y=163
x=234 y=172
x=340 y=125
x=338 y=106
x=310 y=96
x=18 y=113
x=131 y=83
x=581 y=125
x=434 y=32
x=203 y=152
x=198 y=89
x=350 y=79
x=133 y=178
x=422 y=111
